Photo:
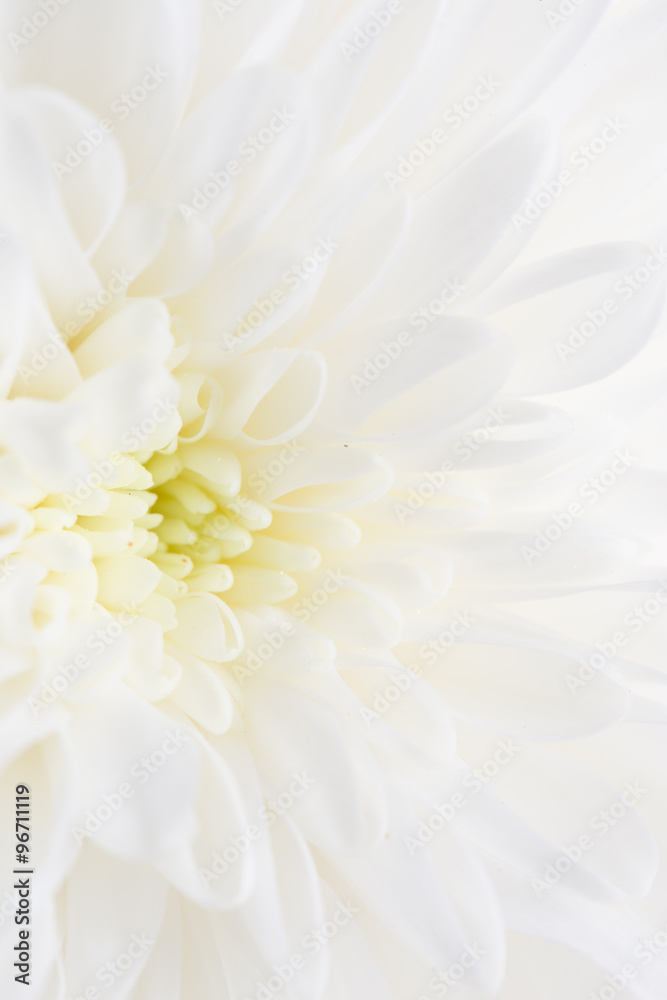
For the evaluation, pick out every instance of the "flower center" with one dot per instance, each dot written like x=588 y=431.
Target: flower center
x=201 y=522
x=147 y=531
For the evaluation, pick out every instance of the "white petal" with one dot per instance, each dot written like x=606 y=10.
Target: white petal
x=317 y=479
x=201 y=695
x=35 y=211
x=123 y=742
x=207 y=628
x=270 y=396
x=331 y=811
x=140 y=328
x=90 y=167
x=101 y=892
x=164 y=34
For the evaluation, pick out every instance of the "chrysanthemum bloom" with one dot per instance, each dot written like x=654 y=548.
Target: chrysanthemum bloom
x=331 y=494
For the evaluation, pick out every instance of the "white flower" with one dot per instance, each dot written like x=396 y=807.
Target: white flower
x=331 y=494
